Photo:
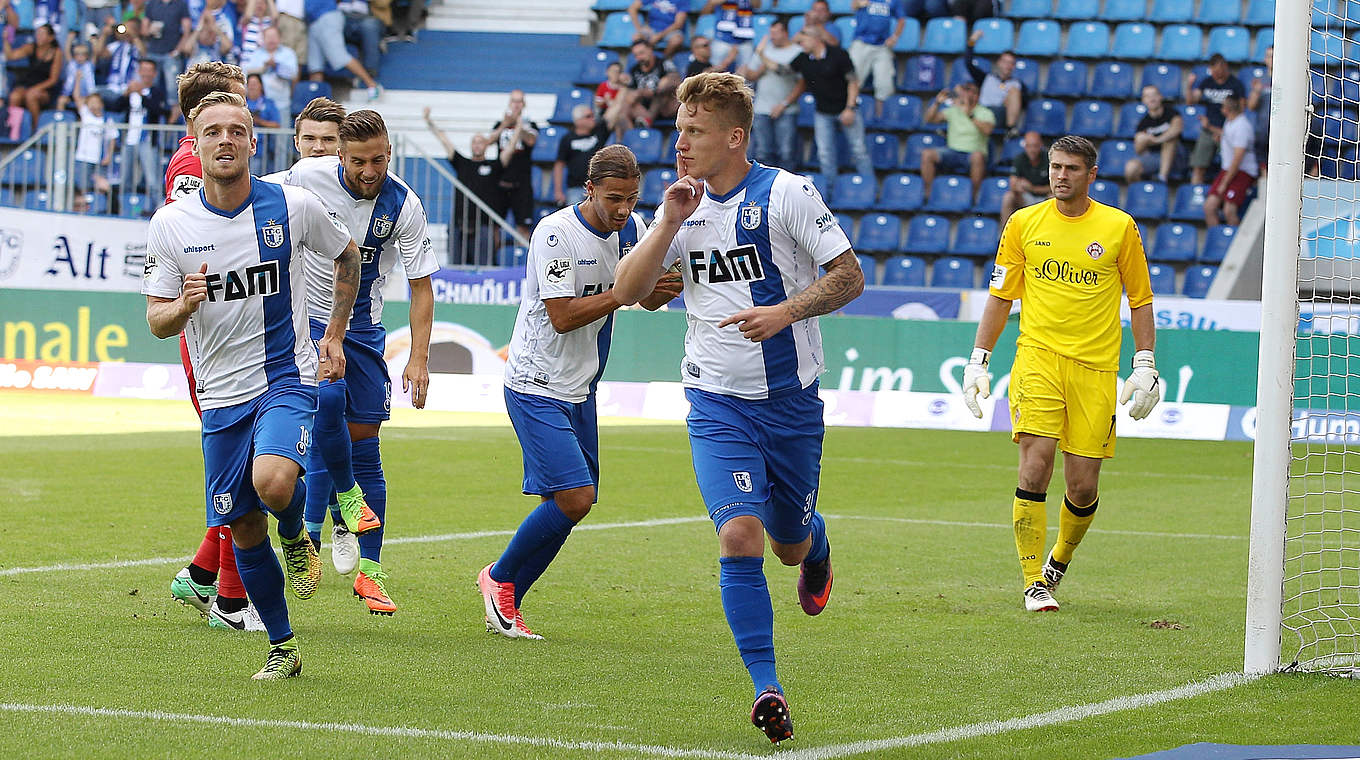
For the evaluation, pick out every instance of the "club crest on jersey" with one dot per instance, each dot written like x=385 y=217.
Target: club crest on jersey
x=382 y=226
x=1096 y=250
x=743 y=481
x=750 y=217
x=222 y=503
x=273 y=234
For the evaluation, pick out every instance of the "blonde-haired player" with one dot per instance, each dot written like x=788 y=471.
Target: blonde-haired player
x=1067 y=259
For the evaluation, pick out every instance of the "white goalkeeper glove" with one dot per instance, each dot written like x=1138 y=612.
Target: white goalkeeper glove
x=1141 y=386
x=976 y=381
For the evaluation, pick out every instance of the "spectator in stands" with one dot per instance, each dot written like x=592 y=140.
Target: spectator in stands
x=665 y=23
x=256 y=16
x=94 y=144
x=1158 y=139
x=651 y=86
x=1258 y=105
x=95 y=13
x=700 y=56
x=733 y=33
x=573 y=155
x=969 y=125
x=405 y=23
x=122 y=55
x=262 y=109
x=515 y=136
x=134 y=11
x=1211 y=90
x=212 y=42
x=79 y=67
x=1237 y=155
x=999 y=89
x=972 y=10
x=168 y=32
x=1029 y=177
x=49 y=13
x=878 y=24
x=34 y=81
x=326 y=46
x=364 y=30
x=291 y=22
x=472 y=239
x=774 y=130
x=828 y=74
x=145 y=102
x=927 y=9
x=610 y=100
x=277 y=67
x=817 y=22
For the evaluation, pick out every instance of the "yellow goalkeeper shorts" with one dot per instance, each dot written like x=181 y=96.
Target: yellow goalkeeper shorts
x=1057 y=397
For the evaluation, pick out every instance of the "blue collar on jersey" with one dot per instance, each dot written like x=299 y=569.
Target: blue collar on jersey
x=234 y=212
x=582 y=219
x=751 y=174
x=340 y=175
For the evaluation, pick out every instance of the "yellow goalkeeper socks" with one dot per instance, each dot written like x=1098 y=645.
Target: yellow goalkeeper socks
x=1072 y=525
x=1030 y=518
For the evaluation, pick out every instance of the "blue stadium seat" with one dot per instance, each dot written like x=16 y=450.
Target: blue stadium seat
x=1166 y=77
x=136 y=205
x=869 y=266
x=1030 y=8
x=609 y=6
x=49 y=116
x=1134 y=40
x=704 y=26
x=1088 y=40
x=998 y=36
x=654 y=184
x=595 y=67
x=1190 y=116
x=1027 y=71
x=1112 y=156
x=944 y=34
x=541 y=182
x=1066 y=79
x=545 y=147
x=1232 y=42
x=26 y=170
x=853 y=192
x=1264 y=39
x=645 y=144
x=901 y=192
x=1077 y=10
x=1113 y=79
x=1009 y=150
x=1171 y=11
x=569 y=99
x=1147 y=200
x=37 y=200
x=905 y=272
x=807 y=106
x=991 y=193
x=512 y=256
x=1189 y=203
x=959 y=73
x=953 y=272
x=1092 y=119
x=8 y=198
x=1197 y=281
x=1338 y=126
x=1124 y=10
x=306 y=91
x=845 y=27
x=910 y=39
x=922 y=73
x=760 y=27
x=1104 y=191
x=792 y=6
x=1048 y=117
x=1253 y=71
x=916 y=143
x=1130 y=114
x=901 y=113
x=668 y=148
x=1212 y=13
x=975 y=236
x=1326 y=49
x=1039 y=38
x=1174 y=242
x=1163 y=279
x=879 y=232
x=1217 y=240
x=950 y=194
x=927 y=233
x=882 y=150
x=1181 y=42
x=1259 y=13
x=618 y=31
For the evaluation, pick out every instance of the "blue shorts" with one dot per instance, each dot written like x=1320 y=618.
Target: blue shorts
x=278 y=421
x=368 y=387
x=560 y=441
x=758 y=458
x=955 y=161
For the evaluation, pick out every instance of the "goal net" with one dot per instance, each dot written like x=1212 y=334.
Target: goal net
x=1304 y=586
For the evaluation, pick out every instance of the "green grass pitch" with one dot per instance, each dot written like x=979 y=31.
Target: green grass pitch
x=925 y=630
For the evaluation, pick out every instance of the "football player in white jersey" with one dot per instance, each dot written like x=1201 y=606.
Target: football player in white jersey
x=749 y=239
x=390 y=221
x=225 y=264
x=557 y=355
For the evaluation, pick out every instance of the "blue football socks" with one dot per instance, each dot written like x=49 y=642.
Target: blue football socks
x=290 y=519
x=369 y=474
x=746 y=603
x=820 y=549
x=262 y=577
x=533 y=546
x=330 y=435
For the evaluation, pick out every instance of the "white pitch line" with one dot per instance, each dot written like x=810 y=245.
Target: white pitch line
x=397 y=731
x=1051 y=718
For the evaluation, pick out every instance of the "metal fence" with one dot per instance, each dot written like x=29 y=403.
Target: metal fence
x=45 y=173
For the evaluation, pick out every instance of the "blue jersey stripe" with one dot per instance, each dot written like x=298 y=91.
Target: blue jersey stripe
x=386 y=209
x=274 y=240
x=779 y=352
x=627 y=239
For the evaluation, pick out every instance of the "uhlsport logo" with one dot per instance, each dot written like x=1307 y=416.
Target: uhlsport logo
x=382 y=226
x=743 y=481
x=11 y=245
x=222 y=503
x=273 y=233
x=750 y=217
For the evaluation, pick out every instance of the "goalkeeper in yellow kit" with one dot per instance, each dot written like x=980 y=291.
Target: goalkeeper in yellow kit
x=1067 y=259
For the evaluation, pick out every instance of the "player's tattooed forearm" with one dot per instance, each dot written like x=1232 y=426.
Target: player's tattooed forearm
x=346 y=283
x=842 y=283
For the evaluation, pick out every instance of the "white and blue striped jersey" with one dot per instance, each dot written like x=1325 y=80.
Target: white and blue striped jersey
x=251 y=333
x=386 y=228
x=758 y=245
x=567 y=258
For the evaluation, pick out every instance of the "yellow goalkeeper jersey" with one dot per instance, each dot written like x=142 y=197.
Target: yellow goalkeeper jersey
x=1068 y=273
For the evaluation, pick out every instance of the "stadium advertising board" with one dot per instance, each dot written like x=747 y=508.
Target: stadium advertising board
x=67 y=252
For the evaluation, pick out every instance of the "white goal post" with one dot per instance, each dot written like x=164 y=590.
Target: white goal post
x=1303 y=584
